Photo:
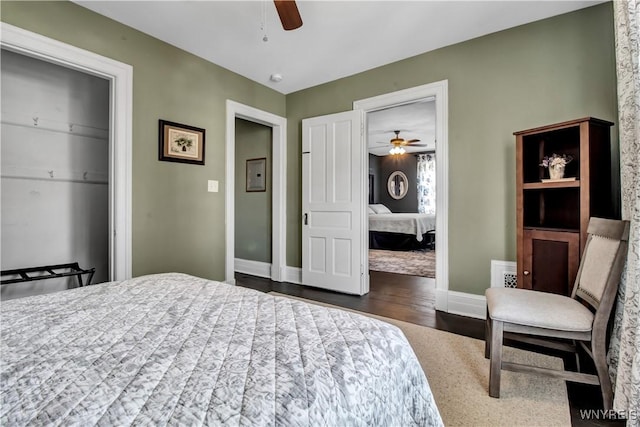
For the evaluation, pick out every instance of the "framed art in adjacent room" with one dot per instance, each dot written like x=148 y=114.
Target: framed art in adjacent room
x=257 y=174
x=181 y=143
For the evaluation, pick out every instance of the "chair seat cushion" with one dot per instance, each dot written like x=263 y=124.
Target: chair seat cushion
x=538 y=309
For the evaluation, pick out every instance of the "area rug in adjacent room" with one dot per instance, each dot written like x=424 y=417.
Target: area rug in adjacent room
x=414 y=263
x=458 y=375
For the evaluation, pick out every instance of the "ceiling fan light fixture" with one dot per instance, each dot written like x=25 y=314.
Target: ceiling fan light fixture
x=397 y=150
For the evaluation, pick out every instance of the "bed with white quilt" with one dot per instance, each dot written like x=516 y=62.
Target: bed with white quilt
x=399 y=231
x=173 y=349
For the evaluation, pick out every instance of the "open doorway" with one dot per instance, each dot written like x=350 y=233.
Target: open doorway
x=253 y=197
x=402 y=190
x=437 y=93
x=276 y=270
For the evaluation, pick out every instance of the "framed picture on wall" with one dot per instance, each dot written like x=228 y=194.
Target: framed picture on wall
x=257 y=174
x=371 y=194
x=180 y=143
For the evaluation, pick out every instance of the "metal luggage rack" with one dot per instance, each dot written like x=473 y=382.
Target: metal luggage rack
x=30 y=274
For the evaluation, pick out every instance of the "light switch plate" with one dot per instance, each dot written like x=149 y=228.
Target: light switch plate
x=212 y=186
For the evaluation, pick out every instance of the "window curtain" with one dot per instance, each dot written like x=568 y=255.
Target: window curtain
x=624 y=350
x=427 y=183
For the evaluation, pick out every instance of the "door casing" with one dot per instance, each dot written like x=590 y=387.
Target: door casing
x=278 y=187
x=439 y=91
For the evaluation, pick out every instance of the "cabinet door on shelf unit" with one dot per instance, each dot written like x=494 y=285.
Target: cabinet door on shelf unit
x=550 y=261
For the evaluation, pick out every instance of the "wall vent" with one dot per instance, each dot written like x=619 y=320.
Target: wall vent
x=504 y=274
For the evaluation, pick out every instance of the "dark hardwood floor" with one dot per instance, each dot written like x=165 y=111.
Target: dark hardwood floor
x=412 y=299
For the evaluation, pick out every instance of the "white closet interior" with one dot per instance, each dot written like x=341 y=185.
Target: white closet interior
x=54 y=170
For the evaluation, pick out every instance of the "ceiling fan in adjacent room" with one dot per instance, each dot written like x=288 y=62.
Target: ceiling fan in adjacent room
x=289 y=14
x=399 y=143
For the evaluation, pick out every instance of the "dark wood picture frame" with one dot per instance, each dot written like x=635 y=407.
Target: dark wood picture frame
x=257 y=174
x=180 y=143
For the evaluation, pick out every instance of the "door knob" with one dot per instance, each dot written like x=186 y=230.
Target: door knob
x=526 y=273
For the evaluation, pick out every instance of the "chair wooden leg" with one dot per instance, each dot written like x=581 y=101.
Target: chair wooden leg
x=598 y=348
x=495 y=364
x=577 y=356
x=487 y=337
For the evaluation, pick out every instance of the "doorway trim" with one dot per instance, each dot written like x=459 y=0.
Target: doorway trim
x=278 y=125
x=440 y=91
x=120 y=77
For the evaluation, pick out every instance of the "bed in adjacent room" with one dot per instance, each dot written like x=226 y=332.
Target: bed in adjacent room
x=180 y=350
x=400 y=231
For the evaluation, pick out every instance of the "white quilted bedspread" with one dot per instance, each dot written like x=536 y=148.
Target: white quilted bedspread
x=405 y=223
x=179 y=350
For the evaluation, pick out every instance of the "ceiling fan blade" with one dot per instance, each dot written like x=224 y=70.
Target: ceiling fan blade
x=289 y=14
x=417 y=145
x=412 y=140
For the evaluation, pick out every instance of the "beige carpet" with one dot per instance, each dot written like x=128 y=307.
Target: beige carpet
x=458 y=375
x=413 y=263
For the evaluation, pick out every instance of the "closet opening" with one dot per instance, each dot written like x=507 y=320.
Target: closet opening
x=55 y=180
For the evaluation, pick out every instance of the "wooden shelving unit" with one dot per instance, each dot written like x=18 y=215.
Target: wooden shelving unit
x=545 y=185
x=552 y=216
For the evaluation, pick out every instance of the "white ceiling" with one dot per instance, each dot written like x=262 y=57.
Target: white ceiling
x=337 y=39
x=414 y=121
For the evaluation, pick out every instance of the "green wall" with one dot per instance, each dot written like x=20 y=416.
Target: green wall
x=252 y=209
x=177 y=224
x=545 y=72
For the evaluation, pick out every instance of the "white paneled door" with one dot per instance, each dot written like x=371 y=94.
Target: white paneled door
x=333 y=205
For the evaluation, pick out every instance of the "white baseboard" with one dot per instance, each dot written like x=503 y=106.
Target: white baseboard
x=264 y=269
x=442 y=300
x=293 y=275
x=469 y=305
x=254 y=268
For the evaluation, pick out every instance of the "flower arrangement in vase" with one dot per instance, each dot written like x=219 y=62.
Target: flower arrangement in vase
x=556 y=164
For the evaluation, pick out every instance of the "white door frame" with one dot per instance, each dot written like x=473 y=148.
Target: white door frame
x=439 y=90
x=278 y=125
x=120 y=77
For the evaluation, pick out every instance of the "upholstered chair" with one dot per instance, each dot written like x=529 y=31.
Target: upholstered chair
x=579 y=320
